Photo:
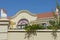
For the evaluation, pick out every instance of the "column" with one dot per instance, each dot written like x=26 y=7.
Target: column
x=4 y=24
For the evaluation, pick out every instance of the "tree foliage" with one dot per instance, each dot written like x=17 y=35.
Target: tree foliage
x=32 y=29
x=57 y=5
x=55 y=24
x=54 y=27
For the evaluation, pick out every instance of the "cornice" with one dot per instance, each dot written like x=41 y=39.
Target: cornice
x=22 y=11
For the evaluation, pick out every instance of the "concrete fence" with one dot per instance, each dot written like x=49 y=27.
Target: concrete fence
x=41 y=35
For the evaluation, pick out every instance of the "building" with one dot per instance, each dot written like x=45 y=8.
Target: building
x=25 y=17
x=9 y=26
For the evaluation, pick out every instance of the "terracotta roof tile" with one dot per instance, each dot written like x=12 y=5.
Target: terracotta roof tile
x=45 y=15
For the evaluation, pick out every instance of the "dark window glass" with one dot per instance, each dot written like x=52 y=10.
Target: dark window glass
x=44 y=25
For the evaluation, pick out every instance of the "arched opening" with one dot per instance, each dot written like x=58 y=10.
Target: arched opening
x=21 y=23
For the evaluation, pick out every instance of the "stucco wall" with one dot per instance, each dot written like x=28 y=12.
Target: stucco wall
x=23 y=15
x=4 y=23
x=3 y=36
x=42 y=35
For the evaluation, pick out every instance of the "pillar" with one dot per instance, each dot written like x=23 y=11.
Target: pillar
x=4 y=24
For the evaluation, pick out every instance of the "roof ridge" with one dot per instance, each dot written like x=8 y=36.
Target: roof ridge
x=45 y=12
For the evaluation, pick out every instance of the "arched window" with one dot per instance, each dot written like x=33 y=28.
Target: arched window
x=21 y=24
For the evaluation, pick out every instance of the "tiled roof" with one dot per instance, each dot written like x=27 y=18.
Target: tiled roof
x=45 y=15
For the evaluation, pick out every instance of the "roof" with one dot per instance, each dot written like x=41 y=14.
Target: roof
x=40 y=15
x=45 y=15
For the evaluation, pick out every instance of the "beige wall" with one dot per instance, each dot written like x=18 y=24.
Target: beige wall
x=4 y=29
x=23 y=15
x=40 y=36
x=45 y=20
x=3 y=36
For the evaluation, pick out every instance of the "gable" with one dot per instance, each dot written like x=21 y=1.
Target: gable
x=23 y=11
x=24 y=14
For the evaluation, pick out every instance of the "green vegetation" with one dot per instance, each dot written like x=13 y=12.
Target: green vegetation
x=31 y=30
x=54 y=26
x=57 y=5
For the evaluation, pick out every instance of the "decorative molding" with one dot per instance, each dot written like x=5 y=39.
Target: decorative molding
x=22 y=11
x=37 y=30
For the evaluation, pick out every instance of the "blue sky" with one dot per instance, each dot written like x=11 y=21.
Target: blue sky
x=34 y=6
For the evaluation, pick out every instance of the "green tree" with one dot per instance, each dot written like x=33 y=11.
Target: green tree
x=54 y=27
x=31 y=30
x=57 y=5
x=55 y=24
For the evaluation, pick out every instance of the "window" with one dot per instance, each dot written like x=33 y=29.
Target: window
x=44 y=25
x=21 y=24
